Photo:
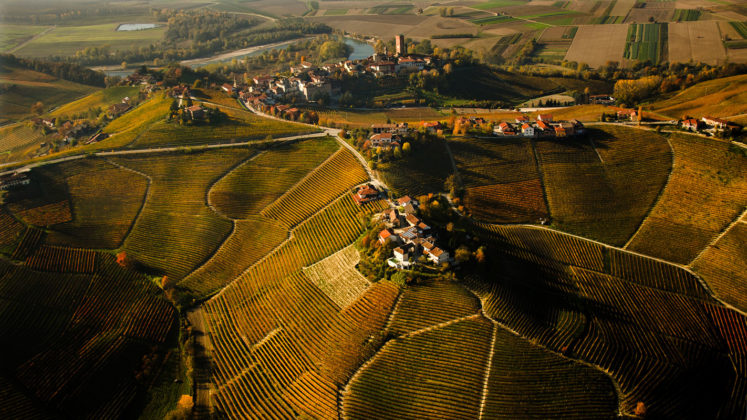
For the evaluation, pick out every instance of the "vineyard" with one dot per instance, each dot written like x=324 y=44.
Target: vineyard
x=649 y=325
x=10 y=229
x=422 y=171
x=337 y=175
x=723 y=266
x=176 y=230
x=437 y=374
x=337 y=276
x=500 y=179
x=130 y=126
x=588 y=181
x=706 y=191
x=46 y=215
x=258 y=182
x=105 y=200
x=66 y=334
x=426 y=305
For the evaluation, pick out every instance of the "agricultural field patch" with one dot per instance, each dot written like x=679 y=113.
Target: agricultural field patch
x=696 y=41
x=597 y=44
x=12 y=36
x=426 y=305
x=383 y=26
x=646 y=42
x=722 y=97
x=19 y=140
x=23 y=88
x=658 y=11
x=176 y=230
x=337 y=276
x=686 y=219
x=723 y=266
x=104 y=202
x=684 y=15
x=423 y=171
x=578 y=173
x=97 y=100
x=66 y=40
x=622 y=7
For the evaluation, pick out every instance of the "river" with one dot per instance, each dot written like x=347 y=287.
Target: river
x=360 y=51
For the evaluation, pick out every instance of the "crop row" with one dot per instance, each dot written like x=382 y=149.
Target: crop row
x=105 y=200
x=337 y=276
x=62 y=260
x=10 y=228
x=522 y=201
x=176 y=230
x=426 y=305
x=726 y=274
x=47 y=215
x=335 y=176
x=31 y=239
x=259 y=181
x=706 y=191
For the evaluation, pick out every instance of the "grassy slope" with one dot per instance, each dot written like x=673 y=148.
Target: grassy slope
x=28 y=87
x=719 y=98
x=66 y=40
x=707 y=190
x=102 y=99
x=592 y=197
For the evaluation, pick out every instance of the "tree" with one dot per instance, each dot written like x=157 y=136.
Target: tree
x=406 y=148
x=183 y=409
x=462 y=254
x=399 y=278
x=640 y=409
x=480 y=255
x=124 y=65
x=123 y=260
x=37 y=108
x=397 y=153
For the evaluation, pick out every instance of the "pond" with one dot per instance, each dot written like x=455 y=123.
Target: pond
x=136 y=26
x=361 y=49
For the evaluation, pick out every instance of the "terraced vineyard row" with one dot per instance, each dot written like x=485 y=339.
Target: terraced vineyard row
x=258 y=182
x=105 y=200
x=328 y=181
x=32 y=238
x=10 y=229
x=337 y=276
x=652 y=328
x=176 y=230
x=588 y=183
x=723 y=266
x=46 y=215
x=707 y=190
x=500 y=178
x=68 y=334
x=62 y=260
x=426 y=305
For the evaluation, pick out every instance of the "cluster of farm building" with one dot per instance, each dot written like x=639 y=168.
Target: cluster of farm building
x=709 y=125
x=413 y=240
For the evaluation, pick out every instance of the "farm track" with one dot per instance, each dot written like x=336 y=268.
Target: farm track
x=203 y=385
x=26 y=42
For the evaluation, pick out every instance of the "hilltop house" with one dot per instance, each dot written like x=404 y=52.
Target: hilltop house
x=365 y=194
x=627 y=114
x=385 y=140
x=437 y=255
x=401 y=129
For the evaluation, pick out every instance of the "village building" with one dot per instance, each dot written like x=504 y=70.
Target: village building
x=118 y=109
x=627 y=114
x=527 y=130
x=601 y=100
x=366 y=193
x=432 y=127
x=387 y=235
x=522 y=119
x=691 y=124
x=437 y=255
x=409 y=64
x=546 y=118
x=717 y=123
x=196 y=112
x=385 y=140
x=409 y=208
x=401 y=129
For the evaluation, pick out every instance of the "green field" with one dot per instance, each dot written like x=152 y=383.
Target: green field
x=66 y=40
x=682 y=15
x=13 y=35
x=741 y=27
x=23 y=88
x=646 y=42
x=492 y=4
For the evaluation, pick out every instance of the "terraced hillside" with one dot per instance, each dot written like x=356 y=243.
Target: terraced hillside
x=706 y=191
x=651 y=325
x=588 y=181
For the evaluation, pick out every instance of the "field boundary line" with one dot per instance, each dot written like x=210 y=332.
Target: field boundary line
x=146 y=199
x=394 y=312
x=723 y=233
x=541 y=174
x=618 y=390
x=488 y=367
x=656 y=202
x=439 y=325
x=220 y=178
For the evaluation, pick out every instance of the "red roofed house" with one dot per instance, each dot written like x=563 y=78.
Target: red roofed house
x=432 y=126
x=385 y=139
x=715 y=122
x=196 y=112
x=522 y=119
x=629 y=114
x=560 y=131
x=544 y=117
x=403 y=201
x=692 y=124
x=365 y=194
x=527 y=130
x=387 y=235
x=412 y=220
x=437 y=255
x=542 y=126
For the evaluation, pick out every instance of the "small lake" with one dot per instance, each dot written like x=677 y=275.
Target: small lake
x=136 y=26
x=361 y=49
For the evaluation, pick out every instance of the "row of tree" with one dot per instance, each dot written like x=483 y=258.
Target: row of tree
x=67 y=71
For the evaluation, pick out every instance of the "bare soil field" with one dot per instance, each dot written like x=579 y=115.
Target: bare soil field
x=738 y=56
x=385 y=26
x=661 y=12
x=696 y=41
x=597 y=44
x=553 y=34
x=728 y=30
x=622 y=7
x=437 y=25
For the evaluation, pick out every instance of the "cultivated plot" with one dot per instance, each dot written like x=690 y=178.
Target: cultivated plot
x=597 y=44
x=696 y=41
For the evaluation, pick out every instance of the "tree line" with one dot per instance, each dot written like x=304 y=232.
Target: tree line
x=67 y=71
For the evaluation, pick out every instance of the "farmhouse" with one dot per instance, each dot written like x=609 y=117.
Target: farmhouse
x=118 y=109
x=365 y=194
x=527 y=130
x=522 y=119
x=402 y=128
x=717 y=123
x=691 y=124
x=432 y=127
x=437 y=255
x=385 y=140
x=387 y=235
x=196 y=112
x=405 y=200
x=627 y=114
x=546 y=118
x=601 y=100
